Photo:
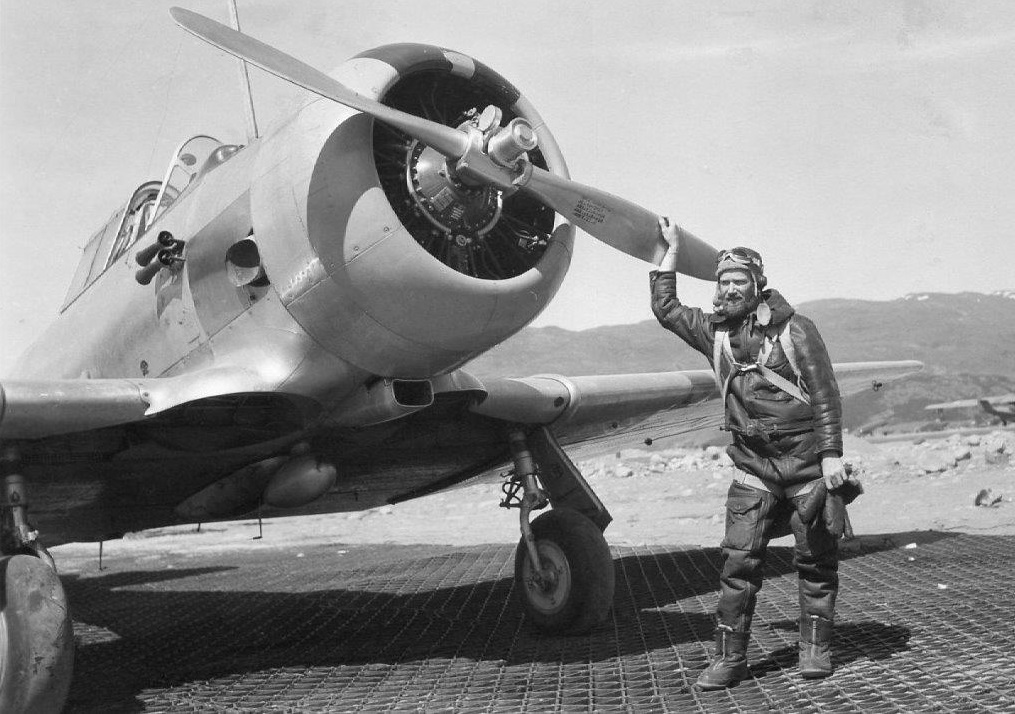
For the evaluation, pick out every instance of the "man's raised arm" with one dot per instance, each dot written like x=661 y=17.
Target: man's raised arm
x=691 y=324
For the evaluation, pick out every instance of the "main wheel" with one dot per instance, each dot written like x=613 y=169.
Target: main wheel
x=574 y=592
x=36 y=637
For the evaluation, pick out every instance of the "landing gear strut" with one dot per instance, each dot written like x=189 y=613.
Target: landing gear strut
x=563 y=569
x=36 y=637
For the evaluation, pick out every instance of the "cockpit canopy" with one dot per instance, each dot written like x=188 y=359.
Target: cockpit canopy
x=150 y=200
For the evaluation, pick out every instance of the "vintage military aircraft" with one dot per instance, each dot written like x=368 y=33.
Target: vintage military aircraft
x=877 y=421
x=1002 y=407
x=281 y=327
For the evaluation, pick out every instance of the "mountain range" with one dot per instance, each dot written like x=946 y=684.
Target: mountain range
x=966 y=340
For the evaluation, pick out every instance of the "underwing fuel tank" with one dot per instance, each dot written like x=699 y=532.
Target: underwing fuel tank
x=385 y=259
x=302 y=480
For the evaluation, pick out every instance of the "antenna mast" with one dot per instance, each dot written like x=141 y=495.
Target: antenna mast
x=244 y=79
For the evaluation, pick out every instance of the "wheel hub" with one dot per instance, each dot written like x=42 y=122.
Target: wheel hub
x=546 y=579
x=549 y=587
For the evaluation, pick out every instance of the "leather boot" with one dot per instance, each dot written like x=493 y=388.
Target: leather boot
x=729 y=665
x=815 y=647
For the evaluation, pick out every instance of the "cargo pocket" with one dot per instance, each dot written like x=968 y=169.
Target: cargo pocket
x=745 y=508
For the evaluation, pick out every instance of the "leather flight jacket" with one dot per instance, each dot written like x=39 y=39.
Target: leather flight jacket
x=775 y=436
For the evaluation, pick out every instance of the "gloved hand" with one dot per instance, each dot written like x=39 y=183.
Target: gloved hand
x=832 y=506
x=836 y=518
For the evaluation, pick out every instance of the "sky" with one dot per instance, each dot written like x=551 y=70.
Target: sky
x=866 y=149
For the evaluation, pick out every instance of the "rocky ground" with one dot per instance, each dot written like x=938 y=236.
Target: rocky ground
x=963 y=483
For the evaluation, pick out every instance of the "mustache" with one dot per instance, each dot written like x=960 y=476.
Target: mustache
x=732 y=303
x=721 y=299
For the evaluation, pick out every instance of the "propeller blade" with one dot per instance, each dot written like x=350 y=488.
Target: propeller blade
x=448 y=141
x=617 y=222
x=620 y=223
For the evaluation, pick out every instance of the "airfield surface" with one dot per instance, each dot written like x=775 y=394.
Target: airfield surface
x=411 y=608
x=407 y=628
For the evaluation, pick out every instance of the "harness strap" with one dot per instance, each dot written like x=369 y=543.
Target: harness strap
x=784 y=384
x=722 y=345
x=788 y=349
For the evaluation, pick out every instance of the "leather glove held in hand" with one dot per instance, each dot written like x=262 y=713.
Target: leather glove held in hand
x=813 y=504
x=835 y=514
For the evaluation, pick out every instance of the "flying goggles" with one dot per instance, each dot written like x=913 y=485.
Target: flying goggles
x=739 y=259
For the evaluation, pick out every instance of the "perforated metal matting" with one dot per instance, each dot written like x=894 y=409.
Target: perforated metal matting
x=409 y=628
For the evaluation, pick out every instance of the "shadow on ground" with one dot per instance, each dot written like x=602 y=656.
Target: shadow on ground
x=161 y=629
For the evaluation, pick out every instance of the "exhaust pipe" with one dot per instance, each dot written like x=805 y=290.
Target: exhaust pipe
x=384 y=400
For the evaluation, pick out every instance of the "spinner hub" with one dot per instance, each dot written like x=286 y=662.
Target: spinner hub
x=462 y=212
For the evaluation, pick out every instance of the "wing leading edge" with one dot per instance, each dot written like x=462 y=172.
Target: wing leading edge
x=35 y=409
x=573 y=405
x=595 y=407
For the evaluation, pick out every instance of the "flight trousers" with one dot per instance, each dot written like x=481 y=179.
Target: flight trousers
x=753 y=518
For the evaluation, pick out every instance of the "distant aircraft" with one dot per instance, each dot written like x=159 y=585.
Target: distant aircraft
x=992 y=405
x=280 y=328
x=877 y=421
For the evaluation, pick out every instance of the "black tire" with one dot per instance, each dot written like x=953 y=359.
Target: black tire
x=582 y=592
x=36 y=637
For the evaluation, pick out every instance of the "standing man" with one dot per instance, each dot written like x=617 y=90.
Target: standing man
x=782 y=407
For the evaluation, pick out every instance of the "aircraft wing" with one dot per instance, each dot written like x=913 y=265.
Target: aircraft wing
x=578 y=407
x=958 y=404
x=605 y=411
x=1002 y=400
x=1007 y=399
x=35 y=409
x=109 y=456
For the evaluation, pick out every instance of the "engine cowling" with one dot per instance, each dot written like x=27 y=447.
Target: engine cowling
x=385 y=260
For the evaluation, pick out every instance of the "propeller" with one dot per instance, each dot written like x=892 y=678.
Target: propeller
x=615 y=221
x=620 y=223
